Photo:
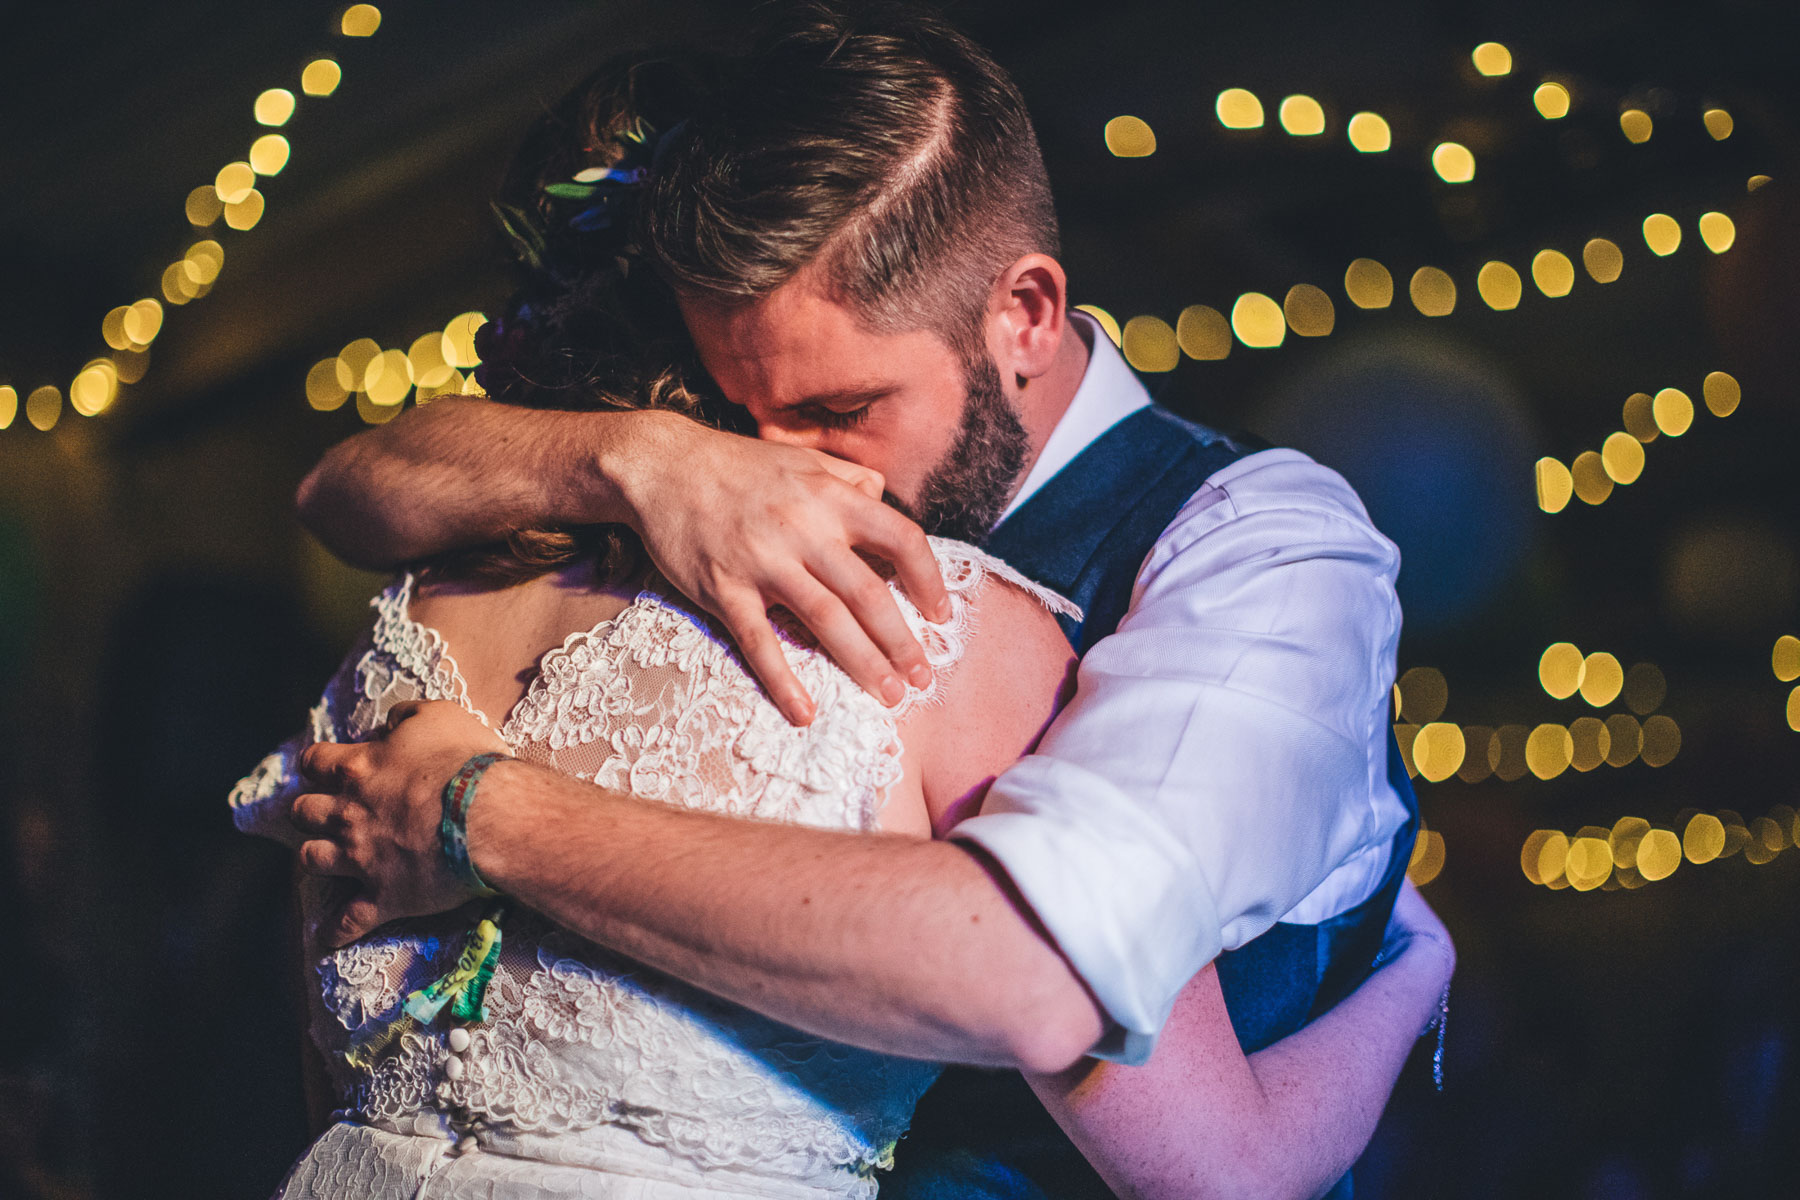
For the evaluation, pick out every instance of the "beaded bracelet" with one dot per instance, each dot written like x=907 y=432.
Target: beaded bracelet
x=453 y=831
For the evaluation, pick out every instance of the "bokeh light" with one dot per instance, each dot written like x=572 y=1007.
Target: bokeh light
x=274 y=107
x=1560 y=669
x=1624 y=738
x=1603 y=260
x=9 y=406
x=43 y=408
x=1433 y=292
x=1704 y=839
x=1555 y=486
x=1592 y=484
x=1552 y=101
x=1500 y=286
x=1258 y=321
x=1302 y=116
x=1662 y=234
x=1601 y=679
x=1639 y=417
x=1636 y=125
x=1492 y=59
x=1203 y=333
x=325 y=391
x=268 y=154
x=1427 y=858
x=1673 y=410
x=1785 y=658
x=1722 y=393
x=1658 y=854
x=1662 y=741
x=1453 y=162
x=1553 y=273
x=1718 y=123
x=1424 y=694
x=1438 y=751
x=459 y=339
x=321 y=77
x=234 y=182
x=1149 y=344
x=245 y=213
x=1717 y=232
x=1549 y=750
x=1369 y=133
x=1623 y=457
x=1107 y=322
x=203 y=205
x=1368 y=284
x=1239 y=109
x=361 y=20
x=1130 y=137
x=1588 y=743
x=1309 y=311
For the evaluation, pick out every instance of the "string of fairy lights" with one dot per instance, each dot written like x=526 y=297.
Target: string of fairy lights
x=1592 y=475
x=232 y=197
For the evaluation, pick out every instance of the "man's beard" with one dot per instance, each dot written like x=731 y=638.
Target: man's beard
x=966 y=492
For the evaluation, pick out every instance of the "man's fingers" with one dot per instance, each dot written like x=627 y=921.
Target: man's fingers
x=322 y=856
x=357 y=919
x=869 y=483
x=873 y=642
x=895 y=538
x=402 y=711
x=322 y=763
x=316 y=814
x=748 y=622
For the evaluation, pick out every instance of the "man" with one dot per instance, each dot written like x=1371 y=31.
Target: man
x=861 y=239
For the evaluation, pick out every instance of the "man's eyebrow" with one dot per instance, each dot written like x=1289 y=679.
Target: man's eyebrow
x=845 y=396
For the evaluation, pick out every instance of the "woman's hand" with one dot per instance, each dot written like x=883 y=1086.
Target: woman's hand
x=1415 y=932
x=741 y=526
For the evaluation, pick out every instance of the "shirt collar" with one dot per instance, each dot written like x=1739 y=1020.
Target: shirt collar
x=1109 y=392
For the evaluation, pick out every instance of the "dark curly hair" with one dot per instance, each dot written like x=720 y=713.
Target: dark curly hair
x=589 y=326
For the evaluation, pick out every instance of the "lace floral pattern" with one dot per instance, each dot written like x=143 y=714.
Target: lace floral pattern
x=577 y=1039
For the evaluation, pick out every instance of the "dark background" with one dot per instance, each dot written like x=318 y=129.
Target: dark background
x=163 y=621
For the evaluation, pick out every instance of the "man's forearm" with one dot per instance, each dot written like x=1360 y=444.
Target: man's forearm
x=895 y=944
x=461 y=472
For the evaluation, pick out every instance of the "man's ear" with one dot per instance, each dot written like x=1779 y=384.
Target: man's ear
x=1028 y=317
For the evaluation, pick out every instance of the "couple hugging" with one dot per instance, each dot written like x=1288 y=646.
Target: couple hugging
x=687 y=806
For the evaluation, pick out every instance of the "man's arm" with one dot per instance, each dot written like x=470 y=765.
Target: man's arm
x=1201 y=1120
x=737 y=525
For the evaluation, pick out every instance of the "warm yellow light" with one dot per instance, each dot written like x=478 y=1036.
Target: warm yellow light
x=234 y=182
x=133 y=362
x=1755 y=182
x=1704 y=839
x=1107 y=323
x=1149 y=344
x=203 y=206
x=1369 y=133
x=1554 y=485
x=1785 y=658
x=324 y=392
x=1302 y=116
x=1662 y=234
x=1433 y=292
x=1258 y=321
x=1627 y=835
x=1478 y=762
x=1500 y=286
x=1309 y=310
x=1552 y=100
x=1722 y=394
x=356 y=358
x=1589 y=864
x=1239 y=109
x=274 y=107
x=1203 y=333
x=321 y=77
x=1492 y=59
x=1623 y=457
x=1601 y=678
x=388 y=378
x=1592 y=484
x=1603 y=259
x=459 y=339
x=1427 y=858
x=1438 y=751
x=1130 y=137
x=207 y=258
x=373 y=413
x=94 y=388
x=1368 y=284
x=1717 y=231
x=1424 y=694
x=43 y=408
x=113 y=328
x=1537 y=854
x=245 y=213
x=177 y=287
x=1793 y=710
x=1662 y=740
x=1658 y=854
x=361 y=20
x=9 y=406
x=427 y=357
x=1640 y=417
x=1636 y=125
x=1625 y=737
x=1673 y=410
x=1718 y=123
x=451 y=384
x=1553 y=273
x=268 y=154
x=143 y=321
x=1507 y=751
x=1560 y=668
x=1453 y=162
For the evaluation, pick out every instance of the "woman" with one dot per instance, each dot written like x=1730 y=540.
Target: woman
x=488 y=1052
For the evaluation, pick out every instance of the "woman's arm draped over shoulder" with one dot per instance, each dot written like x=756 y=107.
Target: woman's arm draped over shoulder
x=1201 y=1120
x=462 y=471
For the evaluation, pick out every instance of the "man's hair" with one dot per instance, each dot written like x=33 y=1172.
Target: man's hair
x=877 y=142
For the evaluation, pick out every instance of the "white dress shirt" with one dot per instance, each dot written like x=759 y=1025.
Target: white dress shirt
x=1223 y=764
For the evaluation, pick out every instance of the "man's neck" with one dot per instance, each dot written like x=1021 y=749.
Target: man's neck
x=1043 y=403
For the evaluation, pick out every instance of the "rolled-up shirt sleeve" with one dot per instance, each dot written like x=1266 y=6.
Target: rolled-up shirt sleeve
x=1223 y=762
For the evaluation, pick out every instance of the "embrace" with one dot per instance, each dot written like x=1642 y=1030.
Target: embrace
x=817 y=662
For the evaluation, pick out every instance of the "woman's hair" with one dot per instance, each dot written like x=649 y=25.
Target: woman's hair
x=589 y=327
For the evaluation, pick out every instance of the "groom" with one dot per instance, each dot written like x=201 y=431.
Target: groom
x=863 y=246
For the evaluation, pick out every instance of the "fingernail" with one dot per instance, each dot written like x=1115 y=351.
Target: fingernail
x=892 y=691
x=921 y=676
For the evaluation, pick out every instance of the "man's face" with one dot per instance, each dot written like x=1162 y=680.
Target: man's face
x=809 y=373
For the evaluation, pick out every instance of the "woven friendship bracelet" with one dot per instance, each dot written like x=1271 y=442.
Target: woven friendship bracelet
x=453 y=832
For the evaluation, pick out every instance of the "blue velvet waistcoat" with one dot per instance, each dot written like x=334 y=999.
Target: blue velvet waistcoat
x=1086 y=533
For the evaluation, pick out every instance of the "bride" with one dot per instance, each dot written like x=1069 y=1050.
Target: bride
x=488 y=1052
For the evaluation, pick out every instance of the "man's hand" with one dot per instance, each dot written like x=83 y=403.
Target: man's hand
x=374 y=818
x=741 y=526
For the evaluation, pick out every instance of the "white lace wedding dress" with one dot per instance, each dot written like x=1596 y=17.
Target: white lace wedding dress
x=592 y=1075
